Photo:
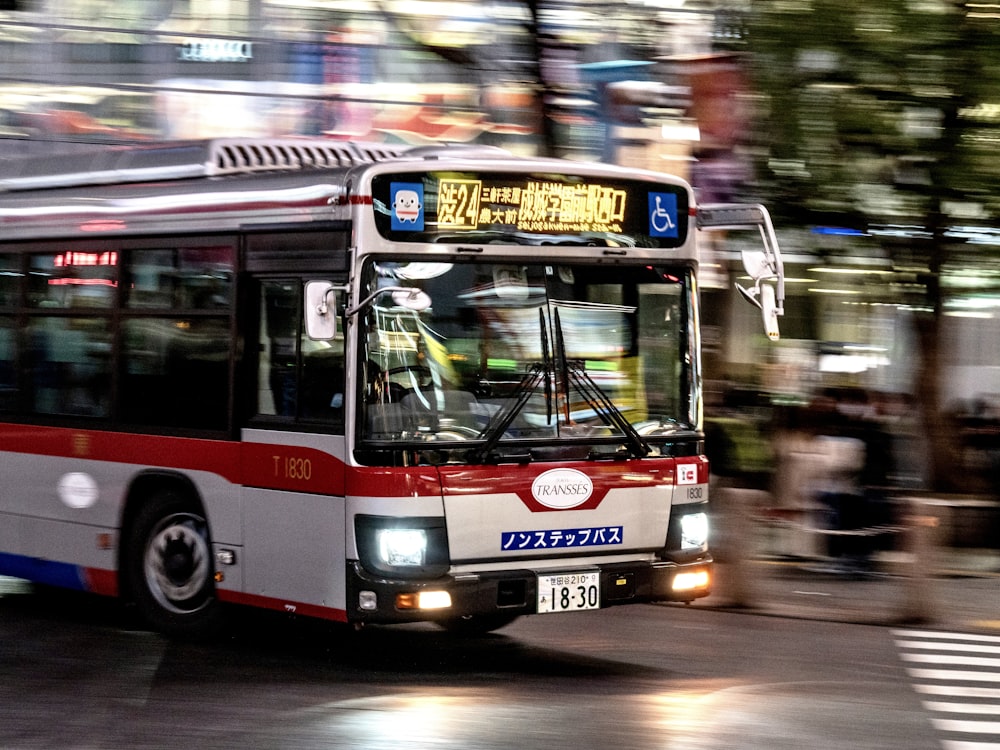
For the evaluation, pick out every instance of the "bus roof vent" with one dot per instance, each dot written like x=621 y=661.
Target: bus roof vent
x=241 y=155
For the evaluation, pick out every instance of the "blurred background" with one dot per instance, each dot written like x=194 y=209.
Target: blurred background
x=870 y=130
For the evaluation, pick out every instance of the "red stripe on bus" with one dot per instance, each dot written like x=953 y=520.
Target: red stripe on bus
x=99 y=581
x=291 y=467
x=415 y=481
x=195 y=454
x=282 y=605
x=304 y=469
x=519 y=479
x=282 y=467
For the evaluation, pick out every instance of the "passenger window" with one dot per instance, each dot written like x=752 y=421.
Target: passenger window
x=176 y=372
x=69 y=362
x=299 y=379
x=74 y=278
x=8 y=363
x=10 y=280
x=185 y=278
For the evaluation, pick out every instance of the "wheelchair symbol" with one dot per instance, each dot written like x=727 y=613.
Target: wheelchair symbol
x=660 y=218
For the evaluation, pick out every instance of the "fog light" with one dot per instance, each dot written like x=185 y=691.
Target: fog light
x=696 y=579
x=367 y=600
x=424 y=600
x=434 y=600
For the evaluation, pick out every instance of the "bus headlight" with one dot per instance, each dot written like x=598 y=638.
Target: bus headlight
x=397 y=547
x=402 y=547
x=694 y=531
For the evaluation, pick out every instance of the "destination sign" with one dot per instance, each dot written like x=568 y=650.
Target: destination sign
x=534 y=207
x=529 y=209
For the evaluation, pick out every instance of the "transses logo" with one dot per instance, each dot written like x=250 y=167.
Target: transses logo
x=561 y=489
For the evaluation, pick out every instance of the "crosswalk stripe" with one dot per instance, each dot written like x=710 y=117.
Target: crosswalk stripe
x=969 y=727
x=962 y=661
x=963 y=708
x=963 y=647
x=943 y=635
x=954 y=674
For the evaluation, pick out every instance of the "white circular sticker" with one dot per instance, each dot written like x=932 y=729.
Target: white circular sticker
x=78 y=490
x=562 y=488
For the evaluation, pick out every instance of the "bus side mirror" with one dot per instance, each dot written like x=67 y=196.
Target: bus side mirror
x=761 y=295
x=769 y=311
x=320 y=310
x=765 y=268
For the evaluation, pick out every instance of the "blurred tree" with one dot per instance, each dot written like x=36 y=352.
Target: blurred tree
x=483 y=60
x=879 y=114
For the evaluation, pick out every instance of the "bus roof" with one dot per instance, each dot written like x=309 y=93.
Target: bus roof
x=223 y=185
x=186 y=160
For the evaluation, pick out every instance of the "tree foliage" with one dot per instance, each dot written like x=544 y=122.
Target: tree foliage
x=885 y=114
x=877 y=111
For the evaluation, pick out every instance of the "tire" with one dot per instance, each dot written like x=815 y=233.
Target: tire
x=168 y=567
x=476 y=624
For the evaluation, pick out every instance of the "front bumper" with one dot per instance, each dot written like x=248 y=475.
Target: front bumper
x=373 y=599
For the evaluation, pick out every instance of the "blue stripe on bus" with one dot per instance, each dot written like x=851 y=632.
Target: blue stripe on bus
x=47 y=572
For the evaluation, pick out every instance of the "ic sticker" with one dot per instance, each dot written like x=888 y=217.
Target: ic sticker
x=662 y=215
x=687 y=474
x=407 y=203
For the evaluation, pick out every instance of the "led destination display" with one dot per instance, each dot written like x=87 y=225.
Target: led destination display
x=535 y=207
x=529 y=209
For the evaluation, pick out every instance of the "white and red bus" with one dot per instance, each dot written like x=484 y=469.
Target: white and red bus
x=356 y=382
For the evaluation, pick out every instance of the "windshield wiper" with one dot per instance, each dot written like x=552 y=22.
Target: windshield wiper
x=576 y=372
x=497 y=426
x=604 y=406
x=547 y=364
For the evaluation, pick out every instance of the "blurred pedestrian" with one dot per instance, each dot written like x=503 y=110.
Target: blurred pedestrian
x=857 y=460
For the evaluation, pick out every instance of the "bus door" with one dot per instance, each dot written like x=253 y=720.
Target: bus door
x=293 y=460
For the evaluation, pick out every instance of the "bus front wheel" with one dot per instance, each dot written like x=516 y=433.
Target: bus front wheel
x=169 y=568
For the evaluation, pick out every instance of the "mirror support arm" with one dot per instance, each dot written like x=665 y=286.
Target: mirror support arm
x=412 y=292
x=323 y=308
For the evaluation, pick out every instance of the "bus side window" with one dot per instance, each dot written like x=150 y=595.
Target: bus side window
x=278 y=391
x=176 y=372
x=298 y=378
x=69 y=363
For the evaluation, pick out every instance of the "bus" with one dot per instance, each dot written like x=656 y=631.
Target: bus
x=368 y=383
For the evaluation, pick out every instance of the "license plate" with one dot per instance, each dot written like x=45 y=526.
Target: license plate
x=569 y=592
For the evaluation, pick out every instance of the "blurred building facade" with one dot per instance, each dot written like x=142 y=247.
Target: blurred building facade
x=420 y=71
x=658 y=84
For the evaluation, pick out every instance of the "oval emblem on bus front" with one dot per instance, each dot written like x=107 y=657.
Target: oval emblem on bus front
x=562 y=489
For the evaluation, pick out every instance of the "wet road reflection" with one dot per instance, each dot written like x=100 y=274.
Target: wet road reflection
x=76 y=672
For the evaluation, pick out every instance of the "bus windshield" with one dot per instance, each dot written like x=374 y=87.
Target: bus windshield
x=533 y=360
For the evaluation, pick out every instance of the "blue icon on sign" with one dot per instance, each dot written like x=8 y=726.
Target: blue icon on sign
x=662 y=215
x=407 y=205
